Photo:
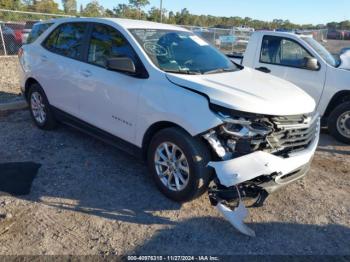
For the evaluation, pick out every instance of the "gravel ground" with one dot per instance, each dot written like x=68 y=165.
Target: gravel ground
x=9 y=81
x=90 y=198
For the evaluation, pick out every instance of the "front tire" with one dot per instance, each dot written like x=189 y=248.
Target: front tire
x=40 y=109
x=178 y=164
x=339 y=123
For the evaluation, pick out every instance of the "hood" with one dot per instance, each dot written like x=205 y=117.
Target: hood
x=345 y=60
x=250 y=91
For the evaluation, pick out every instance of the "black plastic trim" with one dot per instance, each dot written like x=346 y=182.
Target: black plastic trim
x=97 y=133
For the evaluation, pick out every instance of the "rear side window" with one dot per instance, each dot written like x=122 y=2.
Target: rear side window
x=67 y=40
x=37 y=31
x=106 y=42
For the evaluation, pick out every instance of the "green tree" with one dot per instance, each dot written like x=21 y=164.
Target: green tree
x=171 y=18
x=126 y=11
x=45 y=6
x=139 y=4
x=93 y=9
x=10 y=4
x=69 y=6
x=154 y=15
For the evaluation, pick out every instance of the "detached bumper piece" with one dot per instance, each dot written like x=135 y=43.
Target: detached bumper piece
x=229 y=202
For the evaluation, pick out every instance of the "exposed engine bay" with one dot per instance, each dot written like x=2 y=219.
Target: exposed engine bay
x=256 y=155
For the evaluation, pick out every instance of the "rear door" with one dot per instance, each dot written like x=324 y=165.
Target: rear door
x=60 y=63
x=109 y=99
x=284 y=57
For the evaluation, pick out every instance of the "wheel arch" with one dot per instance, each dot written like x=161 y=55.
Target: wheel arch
x=29 y=82
x=152 y=130
x=337 y=99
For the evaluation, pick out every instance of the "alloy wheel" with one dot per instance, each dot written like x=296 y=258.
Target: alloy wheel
x=172 y=166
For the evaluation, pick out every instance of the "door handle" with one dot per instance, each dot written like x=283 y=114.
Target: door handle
x=86 y=73
x=263 y=69
x=43 y=58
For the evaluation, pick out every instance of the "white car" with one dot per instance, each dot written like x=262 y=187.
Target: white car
x=163 y=93
x=303 y=61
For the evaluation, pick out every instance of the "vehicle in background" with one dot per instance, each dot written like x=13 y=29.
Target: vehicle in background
x=344 y=50
x=9 y=40
x=303 y=61
x=338 y=34
x=17 y=27
x=162 y=92
x=37 y=29
x=333 y=34
x=27 y=29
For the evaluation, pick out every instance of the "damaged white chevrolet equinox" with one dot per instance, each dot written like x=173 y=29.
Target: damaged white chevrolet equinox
x=162 y=92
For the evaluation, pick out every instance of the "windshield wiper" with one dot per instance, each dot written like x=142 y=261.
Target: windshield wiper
x=219 y=70
x=186 y=72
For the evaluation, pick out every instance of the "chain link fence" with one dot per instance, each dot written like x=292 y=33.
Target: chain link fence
x=15 y=27
x=229 y=41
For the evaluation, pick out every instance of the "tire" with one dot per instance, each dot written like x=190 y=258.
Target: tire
x=197 y=156
x=48 y=121
x=339 y=123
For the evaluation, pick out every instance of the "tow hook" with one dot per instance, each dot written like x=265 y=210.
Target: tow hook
x=229 y=202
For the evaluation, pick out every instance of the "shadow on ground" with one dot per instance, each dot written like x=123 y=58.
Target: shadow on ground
x=328 y=143
x=213 y=236
x=6 y=97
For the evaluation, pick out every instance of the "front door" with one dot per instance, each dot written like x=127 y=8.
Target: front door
x=109 y=99
x=285 y=58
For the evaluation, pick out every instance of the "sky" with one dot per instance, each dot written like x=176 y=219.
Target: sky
x=297 y=11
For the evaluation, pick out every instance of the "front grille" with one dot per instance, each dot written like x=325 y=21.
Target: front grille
x=293 y=133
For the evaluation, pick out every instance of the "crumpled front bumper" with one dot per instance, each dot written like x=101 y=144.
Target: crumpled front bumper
x=233 y=172
x=248 y=167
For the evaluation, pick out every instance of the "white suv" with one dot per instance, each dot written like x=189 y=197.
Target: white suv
x=163 y=93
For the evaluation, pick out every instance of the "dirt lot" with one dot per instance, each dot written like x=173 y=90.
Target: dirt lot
x=89 y=198
x=335 y=46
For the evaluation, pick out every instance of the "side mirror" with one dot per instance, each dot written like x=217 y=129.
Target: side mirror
x=311 y=64
x=121 y=64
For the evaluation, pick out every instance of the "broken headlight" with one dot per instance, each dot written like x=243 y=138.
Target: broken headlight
x=241 y=133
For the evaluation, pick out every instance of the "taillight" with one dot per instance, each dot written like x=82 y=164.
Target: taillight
x=20 y=52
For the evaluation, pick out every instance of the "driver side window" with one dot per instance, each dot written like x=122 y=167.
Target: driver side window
x=283 y=51
x=106 y=42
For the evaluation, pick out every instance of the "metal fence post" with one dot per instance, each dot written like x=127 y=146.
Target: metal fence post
x=3 y=40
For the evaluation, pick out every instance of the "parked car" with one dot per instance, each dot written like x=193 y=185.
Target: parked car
x=9 y=39
x=163 y=93
x=333 y=34
x=37 y=29
x=303 y=61
x=27 y=29
x=17 y=27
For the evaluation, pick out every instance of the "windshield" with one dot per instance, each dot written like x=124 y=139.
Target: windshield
x=182 y=52
x=322 y=51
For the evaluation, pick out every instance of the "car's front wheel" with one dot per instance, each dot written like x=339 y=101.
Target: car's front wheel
x=178 y=164
x=339 y=123
x=40 y=108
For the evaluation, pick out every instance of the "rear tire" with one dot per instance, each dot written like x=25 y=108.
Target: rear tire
x=40 y=108
x=186 y=154
x=339 y=123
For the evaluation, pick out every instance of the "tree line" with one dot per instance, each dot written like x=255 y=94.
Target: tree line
x=135 y=9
